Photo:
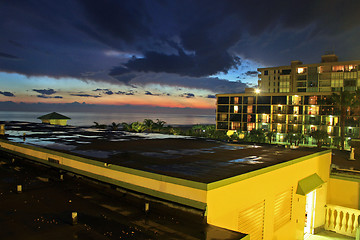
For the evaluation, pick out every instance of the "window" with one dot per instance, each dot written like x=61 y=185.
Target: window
x=338 y=68
x=301 y=70
x=222 y=117
x=296 y=100
x=264 y=109
x=286 y=71
x=310 y=100
x=279 y=100
x=236 y=109
x=223 y=109
x=235 y=125
x=222 y=125
x=223 y=100
x=266 y=72
x=263 y=100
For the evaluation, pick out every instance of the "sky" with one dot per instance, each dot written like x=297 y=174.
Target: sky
x=160 y=53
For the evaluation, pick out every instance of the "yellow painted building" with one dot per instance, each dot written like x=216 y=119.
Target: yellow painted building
x=270 y=203
x=54 y=118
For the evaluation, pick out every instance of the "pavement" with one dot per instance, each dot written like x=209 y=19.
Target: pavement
x=44 y=208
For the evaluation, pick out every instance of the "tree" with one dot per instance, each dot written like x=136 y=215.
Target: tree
x=138 y=127
x=114 y=126
x=256 y=135
x=299 y=137
x=270 y=135
x=291 y=138
x=344 y=102
x=320 y=136
x=148 y=124
x=101 y=126
x=126 y=127
x=159 y=124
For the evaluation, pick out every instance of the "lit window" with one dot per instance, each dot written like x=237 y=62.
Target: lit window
x=301 y=70
x=236 y=109
x=236 y=100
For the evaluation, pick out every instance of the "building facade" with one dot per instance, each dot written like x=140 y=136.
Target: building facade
x=291 y=101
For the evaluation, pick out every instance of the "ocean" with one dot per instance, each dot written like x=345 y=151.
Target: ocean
x=88 y=118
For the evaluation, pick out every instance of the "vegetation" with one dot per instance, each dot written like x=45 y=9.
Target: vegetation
x=344 y=102
x=320 y=136
x=210 y=132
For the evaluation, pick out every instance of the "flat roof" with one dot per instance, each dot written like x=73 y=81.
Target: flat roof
x=195 y=159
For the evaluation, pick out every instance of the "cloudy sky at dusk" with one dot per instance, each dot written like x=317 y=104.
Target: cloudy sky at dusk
x=175 y=54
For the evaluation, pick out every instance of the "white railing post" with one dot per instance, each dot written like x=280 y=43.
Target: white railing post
x=342 y=220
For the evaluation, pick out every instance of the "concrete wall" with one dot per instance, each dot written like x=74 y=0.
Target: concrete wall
x=226 y=202
x=344 y=192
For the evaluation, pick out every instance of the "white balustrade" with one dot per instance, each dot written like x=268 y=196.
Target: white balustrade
x=342 y=220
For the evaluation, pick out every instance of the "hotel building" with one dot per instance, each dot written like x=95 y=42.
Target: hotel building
x=288 y=101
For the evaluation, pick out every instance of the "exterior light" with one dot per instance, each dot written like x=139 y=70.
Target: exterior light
x=257 y=90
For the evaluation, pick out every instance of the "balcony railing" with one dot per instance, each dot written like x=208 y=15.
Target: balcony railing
x=342 y=220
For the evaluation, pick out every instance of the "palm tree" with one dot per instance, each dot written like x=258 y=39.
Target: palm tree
x=256 y=135
x=138 y=126
x=344 y=101
x=114 y=126
x=159 y=124
x=291 y=137
x=149 y=124
x=126 y=127
x=270 y=135
x=320 y=136
x=299 y=137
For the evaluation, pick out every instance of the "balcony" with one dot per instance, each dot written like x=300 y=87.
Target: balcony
x=342 y=220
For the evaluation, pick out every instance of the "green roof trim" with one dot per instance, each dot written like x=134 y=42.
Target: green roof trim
x=308 y=184
x=53 y=115
x=345 y=176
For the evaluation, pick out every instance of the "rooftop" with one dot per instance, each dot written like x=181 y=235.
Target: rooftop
x=183 y=157
x=53 y=115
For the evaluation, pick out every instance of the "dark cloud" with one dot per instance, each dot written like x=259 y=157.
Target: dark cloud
x=183 y=64
x=188 y=38
x=125 y=20
x=188 y=95
x=9 y=56
x=45 y=96
x=7 y=94
x=215 y=85
x=45 y=91
x=211 y=96
x=151 y=94
x=84 y=95
x=125 y=93
x=252 y=73
x=104 y=91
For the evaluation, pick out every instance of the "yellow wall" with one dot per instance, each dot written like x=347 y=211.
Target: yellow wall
x=225 y=203
x=343 y=193
x=61 y=122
